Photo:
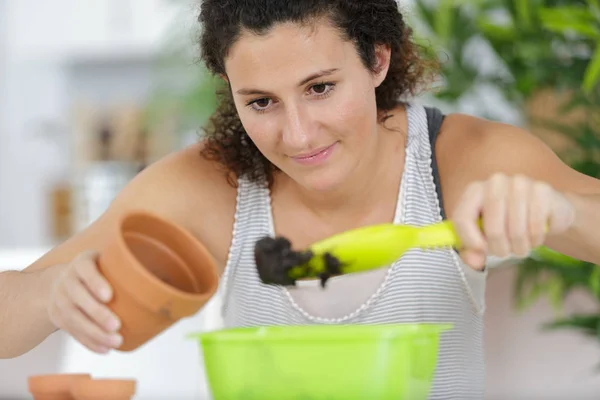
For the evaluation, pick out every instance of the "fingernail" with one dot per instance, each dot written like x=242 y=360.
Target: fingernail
x=116 y=340
x=114 y=325
x=105 y=295
x=103 y=350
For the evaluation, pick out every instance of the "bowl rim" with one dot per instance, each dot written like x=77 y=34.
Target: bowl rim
x=322 y=332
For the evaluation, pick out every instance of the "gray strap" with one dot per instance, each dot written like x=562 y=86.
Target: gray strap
x=434 y=123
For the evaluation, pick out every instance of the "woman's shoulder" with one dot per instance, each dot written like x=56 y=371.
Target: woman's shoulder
x=470 y=148
x=198 y=192
x=465 y=140
x=189 y=190
x=190 y=165
x=183 y=188
x=186 y=177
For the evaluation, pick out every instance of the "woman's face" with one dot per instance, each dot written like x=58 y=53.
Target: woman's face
x=307 y=101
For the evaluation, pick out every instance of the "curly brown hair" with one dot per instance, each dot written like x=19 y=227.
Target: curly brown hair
x=364 y=22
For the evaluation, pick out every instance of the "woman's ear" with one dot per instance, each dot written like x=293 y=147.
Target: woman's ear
x=224 y=77
x=383 y=53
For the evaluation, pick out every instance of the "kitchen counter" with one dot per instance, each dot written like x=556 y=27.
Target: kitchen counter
x=168 y=367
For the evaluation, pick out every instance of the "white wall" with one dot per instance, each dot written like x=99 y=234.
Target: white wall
x=41 y=37
x=3 y=109
x=525 y=363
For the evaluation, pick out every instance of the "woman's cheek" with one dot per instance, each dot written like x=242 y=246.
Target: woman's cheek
x=263 y=134
x=352 y=114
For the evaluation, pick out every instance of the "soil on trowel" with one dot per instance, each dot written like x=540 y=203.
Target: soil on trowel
x=275 y=258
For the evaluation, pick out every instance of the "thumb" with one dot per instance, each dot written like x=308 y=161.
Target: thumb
x=562 y=215
x=473 y=258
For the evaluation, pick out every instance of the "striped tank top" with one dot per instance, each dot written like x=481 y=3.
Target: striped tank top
x=421 y=287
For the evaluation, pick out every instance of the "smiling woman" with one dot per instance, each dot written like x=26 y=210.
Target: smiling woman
x=344 y=64
x=317 y=134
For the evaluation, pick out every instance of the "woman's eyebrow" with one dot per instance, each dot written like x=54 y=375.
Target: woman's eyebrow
x=324 y=72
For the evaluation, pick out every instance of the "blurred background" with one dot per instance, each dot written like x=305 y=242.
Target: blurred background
x=92 y=92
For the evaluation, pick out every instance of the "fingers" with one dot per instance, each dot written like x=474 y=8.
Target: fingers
x=539 y=211
x=78 y=325
x=82 y=297
x=495 y=214
x=518 y=228
x=514 y=212
x=473 y=258
x=87 y=271
x=78 y=308
x=561 y=215
x=466 y=217
x=473 y=244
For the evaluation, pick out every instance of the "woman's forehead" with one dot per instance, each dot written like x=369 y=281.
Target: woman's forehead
x=287 y=49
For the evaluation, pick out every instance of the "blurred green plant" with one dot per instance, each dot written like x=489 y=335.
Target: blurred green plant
x=538 y=43
x=536 y=46
x=184 y=89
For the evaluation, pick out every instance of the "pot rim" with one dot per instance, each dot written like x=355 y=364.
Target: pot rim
x=124 y=386
x=46 y=383
x=187 y=236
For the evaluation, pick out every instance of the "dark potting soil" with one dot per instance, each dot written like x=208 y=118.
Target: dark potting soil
x=275 y=259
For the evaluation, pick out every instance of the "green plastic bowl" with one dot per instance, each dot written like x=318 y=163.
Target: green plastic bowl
x=321 y=361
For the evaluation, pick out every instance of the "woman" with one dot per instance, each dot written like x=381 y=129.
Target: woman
x=312 y=139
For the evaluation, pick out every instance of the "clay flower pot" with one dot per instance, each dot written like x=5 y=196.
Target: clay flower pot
x=103 y=389
x=159 y=272
x=54 y=386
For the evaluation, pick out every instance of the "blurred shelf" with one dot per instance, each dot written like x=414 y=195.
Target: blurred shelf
x=109 y=53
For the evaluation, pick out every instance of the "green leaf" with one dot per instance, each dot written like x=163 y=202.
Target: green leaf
x=589 y=324
x=556 y=292
x=424 y=14
x=443 y=20
x=544 y=253
x=595 y=282
x=570 y=19
x=573 y=104
x=523 y=11
x=592 y=74
x=495 y=32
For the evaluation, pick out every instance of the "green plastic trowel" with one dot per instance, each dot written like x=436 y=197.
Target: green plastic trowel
x=356 y=250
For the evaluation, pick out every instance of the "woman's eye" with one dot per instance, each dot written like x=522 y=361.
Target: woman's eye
x=260 y=104
x=321 y=89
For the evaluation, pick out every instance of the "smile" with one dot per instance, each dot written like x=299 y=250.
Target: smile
x=316 y=157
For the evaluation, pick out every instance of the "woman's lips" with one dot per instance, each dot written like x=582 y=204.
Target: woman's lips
x=316 y=157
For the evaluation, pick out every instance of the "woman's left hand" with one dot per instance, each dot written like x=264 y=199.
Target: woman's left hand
x=517 y=214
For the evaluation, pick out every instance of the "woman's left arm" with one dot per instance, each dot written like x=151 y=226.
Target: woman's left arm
x=581 y=239
x=523 y=192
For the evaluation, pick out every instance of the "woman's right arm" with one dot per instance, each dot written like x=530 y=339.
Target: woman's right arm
x=64 y=289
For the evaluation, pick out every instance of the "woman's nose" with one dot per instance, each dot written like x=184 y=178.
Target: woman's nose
x=296 y=129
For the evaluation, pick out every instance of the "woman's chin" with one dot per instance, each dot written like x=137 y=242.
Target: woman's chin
x=322 y=182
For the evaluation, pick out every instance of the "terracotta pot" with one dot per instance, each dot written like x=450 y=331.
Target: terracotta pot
x=159 y=272
x=104 y=389
x=54 y=386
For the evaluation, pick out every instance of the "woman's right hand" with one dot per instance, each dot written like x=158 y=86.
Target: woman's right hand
x=78 y=305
